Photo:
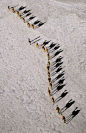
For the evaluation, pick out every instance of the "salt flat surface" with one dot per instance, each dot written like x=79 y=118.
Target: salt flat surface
x=72 y=1
x=25 y=106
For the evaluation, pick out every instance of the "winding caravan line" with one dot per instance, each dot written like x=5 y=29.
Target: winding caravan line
x=56 y=74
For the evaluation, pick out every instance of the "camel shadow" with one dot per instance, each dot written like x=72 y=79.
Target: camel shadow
x=54 y=48
x=61 y=81
x=68 y=105
x=51 y=46
x=39 y=25
x=56 y=71
x=58 y=77
x=72 y=115
x=57 y=53
x=34 y=40
x=58 y=88
x=61 y=96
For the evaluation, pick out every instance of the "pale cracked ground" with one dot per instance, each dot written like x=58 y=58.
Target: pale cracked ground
x=25 y=106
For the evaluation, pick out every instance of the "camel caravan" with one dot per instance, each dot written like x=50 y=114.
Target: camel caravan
x=54 y=68
x=27 y=17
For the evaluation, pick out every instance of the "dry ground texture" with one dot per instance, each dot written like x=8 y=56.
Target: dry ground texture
x=25 y=106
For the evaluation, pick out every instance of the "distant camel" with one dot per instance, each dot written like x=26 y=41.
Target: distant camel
x=28 y=24
x=12 y=8
x=58 y=109
x=35 y=23
x=48 y=91
x=50 y=85
x=64 y=119
x=48 y=64
x=52 y=100
x=37 y=45
x=43 y=48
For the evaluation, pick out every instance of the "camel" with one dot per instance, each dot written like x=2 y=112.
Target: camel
x=48 y=91
x=28 y=24
x=32 y=26
x=48 y=76
x=46 y=50
x=47 y=55
x=63 y=118
x=23 y=20
x=43 y=48
x=48 y=73
x=48 y=63
x=48 y=67
x=17 y=13
x=57 y=108
x=37 y=45
x=52 y=100
x=12 y=9
x=49 y=79
x=50 y=85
